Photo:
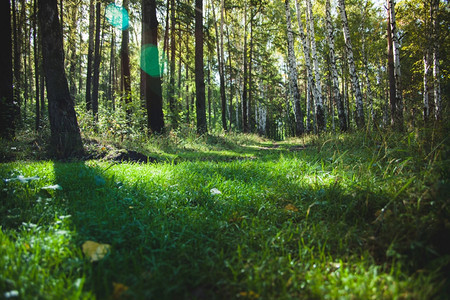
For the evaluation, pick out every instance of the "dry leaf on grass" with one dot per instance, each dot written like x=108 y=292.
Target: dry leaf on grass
x=95 y=251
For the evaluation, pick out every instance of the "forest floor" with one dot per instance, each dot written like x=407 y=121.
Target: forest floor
x=350 y=216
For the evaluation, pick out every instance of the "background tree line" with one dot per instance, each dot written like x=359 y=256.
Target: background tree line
x=249 y=66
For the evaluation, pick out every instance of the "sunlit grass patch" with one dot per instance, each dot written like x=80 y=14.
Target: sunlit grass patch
x=330 y=219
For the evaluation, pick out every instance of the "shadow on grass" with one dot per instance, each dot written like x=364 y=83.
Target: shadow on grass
x=172 y=237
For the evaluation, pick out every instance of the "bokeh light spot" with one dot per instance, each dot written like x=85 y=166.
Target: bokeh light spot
x=117 y=16
x=150 y=60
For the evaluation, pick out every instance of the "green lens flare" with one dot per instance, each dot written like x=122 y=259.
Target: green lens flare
x=117 y=16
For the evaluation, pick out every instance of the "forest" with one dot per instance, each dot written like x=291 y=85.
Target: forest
x=223 y=149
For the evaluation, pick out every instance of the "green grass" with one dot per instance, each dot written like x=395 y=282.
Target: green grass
x=351 y=216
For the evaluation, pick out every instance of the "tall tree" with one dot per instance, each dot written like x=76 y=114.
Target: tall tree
x=310 y=89
x=394 y=86
x=436 y=64
x=293 y=75
x=97 y=57
x=65 y=134
x=351 y=66
x=171 y=86
x=125 y=67
x=151 y=68
x=199 y=72
x=320 y=112
x=334 y=74
x=36 y=67
x=7 y=110
x=90 y=55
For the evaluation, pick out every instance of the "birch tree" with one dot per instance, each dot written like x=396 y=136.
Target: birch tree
x=309 y=74
x=351 y=66
x=320 y=113
x=396 y=103
x=334 y=74
x=293 y=75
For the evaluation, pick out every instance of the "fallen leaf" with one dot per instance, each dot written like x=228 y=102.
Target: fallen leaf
x=118 y=290
x=249 y=295
x=291 y=207
x=95 y=251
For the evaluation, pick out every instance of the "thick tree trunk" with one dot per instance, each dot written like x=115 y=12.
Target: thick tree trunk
x=293 y=75
x=7 y=110
x=352 y=69
x=199 y=72
x=334 y=73
x=65 y=134
x=153 y=91
x=320 y=112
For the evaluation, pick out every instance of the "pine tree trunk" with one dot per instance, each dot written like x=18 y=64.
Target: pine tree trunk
x=426 y=85
x=96 y=75
x=352 y=69
x=199 y=72
x=36 y=67
x=334 y=73
x=171 y=86
x=90 y=55
x=125 y=68
x=65 y=134
x=293 y=75
x=153 y=91
x=7 y=110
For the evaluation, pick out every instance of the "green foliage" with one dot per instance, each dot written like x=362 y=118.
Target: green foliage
x=234 y=216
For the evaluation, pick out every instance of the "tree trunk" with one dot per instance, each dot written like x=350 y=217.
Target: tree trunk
x=251 y=116
x=426 y=84
x=36 y=67
x=320 y=112
x=97 y=57
x=7 y=110
x=309 y=73
x=125 y=68
x=171 y=86
x=352 y=69
x=150 y=61
x=293 y=75
x=436 y=66
x=245 y=79
x=65 y=134
x=334 y=73
x=199 y=72
x=90 y=55
x=394 y=69
x=17 y=71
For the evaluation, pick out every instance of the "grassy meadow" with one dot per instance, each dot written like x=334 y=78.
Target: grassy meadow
x=229 y=216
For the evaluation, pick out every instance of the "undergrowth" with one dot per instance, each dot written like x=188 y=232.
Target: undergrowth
x=352 y=216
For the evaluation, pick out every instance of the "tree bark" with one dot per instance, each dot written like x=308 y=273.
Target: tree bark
x=245 y=79
x=199 y=72
x=65 y=134
x=153 y=91
x=7 y=110
x=125 y=68
x=394 y=83
x=320 y=112
x=36 y=68
x=90 y=55
x=436 y=65
x=334 y=73
x=293 y=75
x=171 y=86
x=352 y=69
x=97 y=57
